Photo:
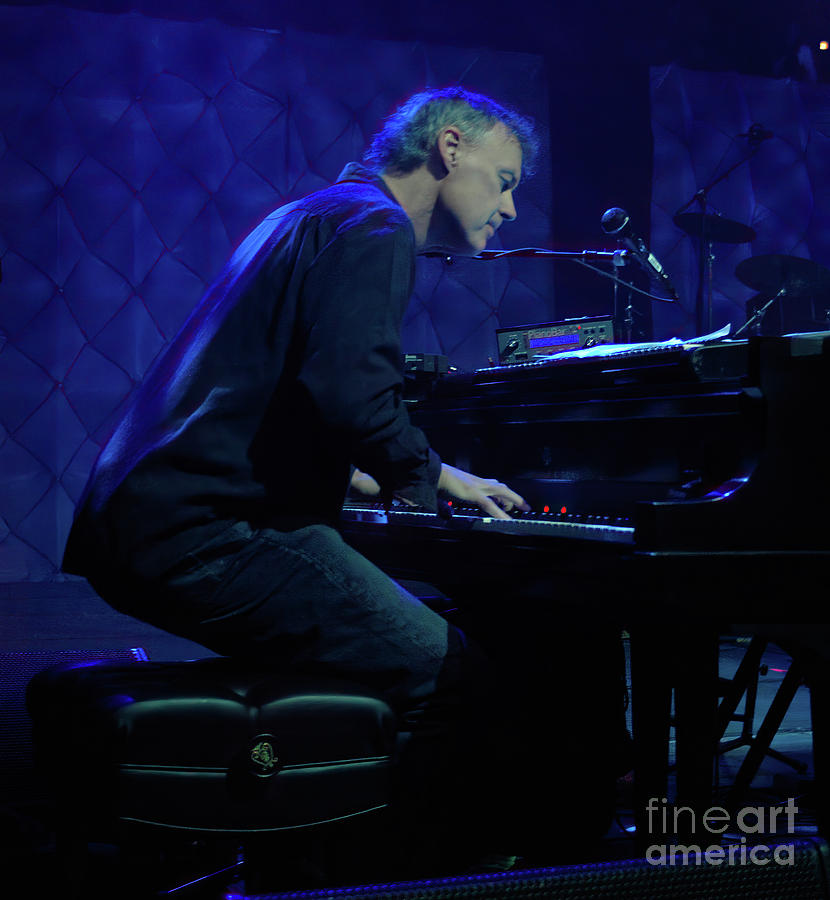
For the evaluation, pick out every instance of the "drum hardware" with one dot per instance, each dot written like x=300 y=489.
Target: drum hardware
x=753 y=323
x=712 y=227
x=709 y=228
x=715 y=228
x=776 y=275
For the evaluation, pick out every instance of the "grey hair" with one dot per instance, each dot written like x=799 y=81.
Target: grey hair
x=408 y=135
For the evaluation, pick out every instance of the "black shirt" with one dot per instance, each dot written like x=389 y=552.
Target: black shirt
x=287 y=372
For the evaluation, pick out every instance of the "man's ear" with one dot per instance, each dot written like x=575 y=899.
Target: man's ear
x=449 y=143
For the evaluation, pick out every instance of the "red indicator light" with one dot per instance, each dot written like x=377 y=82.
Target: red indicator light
x=563 y=510
x=545 y=509
x=449 y=502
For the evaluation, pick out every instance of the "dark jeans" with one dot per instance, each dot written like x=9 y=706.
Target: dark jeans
x=479 y=734
x=305 y=598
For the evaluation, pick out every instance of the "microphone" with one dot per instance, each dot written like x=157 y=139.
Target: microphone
x=617 y=222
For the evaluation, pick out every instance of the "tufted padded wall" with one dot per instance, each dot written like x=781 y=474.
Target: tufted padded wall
x=134 y=154
x=782 y=192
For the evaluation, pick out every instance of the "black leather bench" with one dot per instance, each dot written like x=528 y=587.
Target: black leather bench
x=205 y=748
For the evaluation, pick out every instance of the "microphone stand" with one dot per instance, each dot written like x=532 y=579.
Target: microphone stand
x=617 y=257
x=628 y=320
x=704 y=309
x=579 y=255
x=585 y=258
x=759 y=314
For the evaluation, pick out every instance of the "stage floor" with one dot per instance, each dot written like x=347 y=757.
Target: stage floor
x=46 y=620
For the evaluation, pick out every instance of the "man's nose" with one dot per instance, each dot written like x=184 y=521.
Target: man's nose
x=507 y=208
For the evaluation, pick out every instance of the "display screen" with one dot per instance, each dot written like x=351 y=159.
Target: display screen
x=553 y=340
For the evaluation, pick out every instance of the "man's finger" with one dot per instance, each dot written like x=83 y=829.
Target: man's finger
x=488 y=505
x=505 y=495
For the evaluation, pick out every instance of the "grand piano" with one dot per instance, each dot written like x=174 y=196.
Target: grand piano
x=676 y=489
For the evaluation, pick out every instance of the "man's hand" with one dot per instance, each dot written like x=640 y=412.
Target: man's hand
x=364 y=484
x=493 y=497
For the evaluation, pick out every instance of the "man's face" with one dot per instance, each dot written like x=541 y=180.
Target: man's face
x=476 y=196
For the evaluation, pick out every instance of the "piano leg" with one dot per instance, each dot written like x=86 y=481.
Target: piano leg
x=687 y=664
x=651 y=691
x=696 y=709
x=819 y=684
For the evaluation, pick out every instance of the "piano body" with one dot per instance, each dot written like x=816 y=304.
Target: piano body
x=675 y=490
x=686 y=449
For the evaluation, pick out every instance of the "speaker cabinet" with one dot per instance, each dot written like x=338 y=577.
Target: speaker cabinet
x=804 y=878
x=17 y=668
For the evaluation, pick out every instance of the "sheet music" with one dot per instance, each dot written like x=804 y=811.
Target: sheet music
x=612 y=349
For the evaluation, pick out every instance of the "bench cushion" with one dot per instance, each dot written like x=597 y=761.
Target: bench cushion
x=210 y=745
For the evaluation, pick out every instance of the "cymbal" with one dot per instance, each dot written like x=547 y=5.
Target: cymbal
x=715 y=228
x=772 y=272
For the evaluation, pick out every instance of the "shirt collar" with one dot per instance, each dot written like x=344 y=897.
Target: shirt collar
x=357 y=172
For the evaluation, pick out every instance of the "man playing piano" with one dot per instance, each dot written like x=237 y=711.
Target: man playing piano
x=212 y=511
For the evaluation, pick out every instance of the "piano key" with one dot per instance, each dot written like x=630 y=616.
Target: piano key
x=597 y=530
x=572 y=526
